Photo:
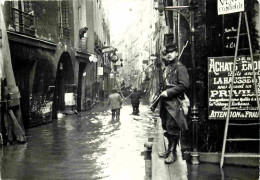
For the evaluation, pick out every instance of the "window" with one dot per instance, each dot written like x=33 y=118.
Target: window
x=22 y=15
x=64 y=19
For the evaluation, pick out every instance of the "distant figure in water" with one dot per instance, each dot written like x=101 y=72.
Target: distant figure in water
x=135 y=100
x=115 y=103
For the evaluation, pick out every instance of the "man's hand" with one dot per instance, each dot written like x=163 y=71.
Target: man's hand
x=164 y=94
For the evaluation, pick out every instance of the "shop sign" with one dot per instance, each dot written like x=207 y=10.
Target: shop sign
x=100 y=71
x=230 y=6
x=243 y=104
x=108 y=50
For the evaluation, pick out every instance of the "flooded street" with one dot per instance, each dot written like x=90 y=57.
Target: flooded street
x=89 y=146
x=84 y=146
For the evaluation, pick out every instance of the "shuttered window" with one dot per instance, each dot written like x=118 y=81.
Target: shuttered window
x=64 y=19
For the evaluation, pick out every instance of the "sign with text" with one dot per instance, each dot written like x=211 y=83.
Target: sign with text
x=230 y=6
x=109 y=50
x=243 y=103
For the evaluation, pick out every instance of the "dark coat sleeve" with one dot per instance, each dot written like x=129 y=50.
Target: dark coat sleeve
x=182 y=83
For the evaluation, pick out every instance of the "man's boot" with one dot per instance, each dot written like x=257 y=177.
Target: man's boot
x=172 y=155
x=167 y=152
x=170 y=159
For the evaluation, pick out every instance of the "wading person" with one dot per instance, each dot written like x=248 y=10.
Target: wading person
x=115 y=103
x=175 y=83
x=135 y=101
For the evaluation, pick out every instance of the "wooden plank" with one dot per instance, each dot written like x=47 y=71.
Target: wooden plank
x=246 y=124
x=249 y=155
x=160 y=170
x=13 y=102
x=15 y=95
x=18 y=131
x=10 y=89
x=243 y=139
x=8 y=128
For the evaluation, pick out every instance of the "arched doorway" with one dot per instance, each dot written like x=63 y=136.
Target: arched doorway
x=64 y=82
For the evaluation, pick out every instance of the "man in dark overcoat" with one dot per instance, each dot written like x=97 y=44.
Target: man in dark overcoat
x=135 y=101
x=175 y=82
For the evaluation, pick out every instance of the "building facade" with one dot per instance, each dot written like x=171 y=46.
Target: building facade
x=214 y=36
x=51 y=43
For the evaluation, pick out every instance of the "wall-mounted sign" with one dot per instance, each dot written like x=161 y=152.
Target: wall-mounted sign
x=111 y=75
x=230 y=6
x=100 y=71
x=244 y=105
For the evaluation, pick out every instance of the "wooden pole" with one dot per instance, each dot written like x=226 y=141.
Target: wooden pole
x=11 y=95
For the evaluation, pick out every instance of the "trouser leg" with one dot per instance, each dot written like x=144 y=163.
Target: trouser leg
x=169 y=147
x=133 y=109
x=172 y=155
x=113 y=114
x=117 y=114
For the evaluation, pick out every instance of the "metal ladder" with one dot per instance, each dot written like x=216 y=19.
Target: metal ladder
x=225 y=139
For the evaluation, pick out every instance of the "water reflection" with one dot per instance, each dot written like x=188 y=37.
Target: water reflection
x=206 y=171
x=85 y=146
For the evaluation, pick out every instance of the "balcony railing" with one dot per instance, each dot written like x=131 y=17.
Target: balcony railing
x=23 y=22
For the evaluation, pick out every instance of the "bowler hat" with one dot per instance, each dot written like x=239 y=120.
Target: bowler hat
x=170 y=47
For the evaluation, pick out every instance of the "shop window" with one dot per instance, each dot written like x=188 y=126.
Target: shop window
x=64 y=19
x=22 y=17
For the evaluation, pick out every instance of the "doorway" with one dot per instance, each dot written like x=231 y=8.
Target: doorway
x=64 y=77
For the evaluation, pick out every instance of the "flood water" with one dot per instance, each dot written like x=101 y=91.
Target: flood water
x=88 y=146
x=85 y=146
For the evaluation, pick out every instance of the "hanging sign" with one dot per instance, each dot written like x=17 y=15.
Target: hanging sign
x=109 y=50
x=243 y=104
x=230 y=6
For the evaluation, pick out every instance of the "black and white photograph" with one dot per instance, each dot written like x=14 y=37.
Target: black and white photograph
x=129 y=89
